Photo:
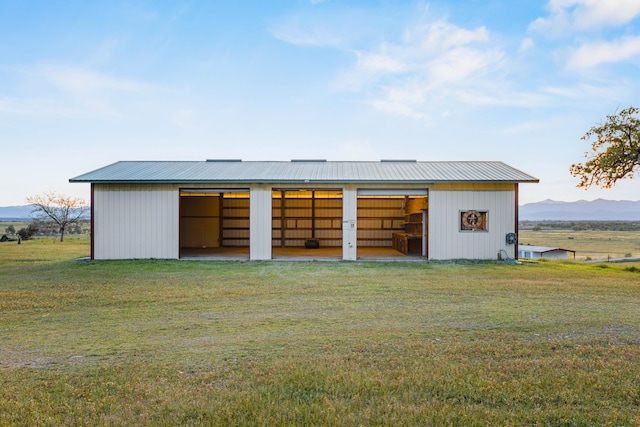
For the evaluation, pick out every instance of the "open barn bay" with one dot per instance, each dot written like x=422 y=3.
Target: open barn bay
x=314 y=343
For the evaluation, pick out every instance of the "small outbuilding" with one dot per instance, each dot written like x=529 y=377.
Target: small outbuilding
x=263 y=210
x=529 y=251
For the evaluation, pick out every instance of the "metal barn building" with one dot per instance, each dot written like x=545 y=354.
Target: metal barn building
x=262 y=210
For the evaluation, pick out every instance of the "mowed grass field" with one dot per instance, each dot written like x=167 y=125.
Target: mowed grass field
x=314 y=343
x=592 y=244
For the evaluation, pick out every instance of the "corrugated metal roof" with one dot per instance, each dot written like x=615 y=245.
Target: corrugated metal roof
x=540 y=249
x=304 y=172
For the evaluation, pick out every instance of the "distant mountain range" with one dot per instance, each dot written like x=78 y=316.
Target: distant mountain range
x=16 y=213
x=582 y=210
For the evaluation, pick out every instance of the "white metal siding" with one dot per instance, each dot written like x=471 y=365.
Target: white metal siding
x=556 y=254
x=446 y=241
x=349 y=218
x=135 y=221
x=260 y=223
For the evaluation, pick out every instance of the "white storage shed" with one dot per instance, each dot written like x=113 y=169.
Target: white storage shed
x=530 y=251
x=345 y=210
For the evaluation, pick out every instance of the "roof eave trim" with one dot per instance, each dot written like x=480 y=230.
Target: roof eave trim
x=299 y=181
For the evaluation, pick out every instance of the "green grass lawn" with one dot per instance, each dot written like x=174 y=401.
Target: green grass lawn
x=594 y=244
x=314 y=343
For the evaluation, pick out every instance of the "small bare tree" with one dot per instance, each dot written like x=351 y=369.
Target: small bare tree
x=59 y=209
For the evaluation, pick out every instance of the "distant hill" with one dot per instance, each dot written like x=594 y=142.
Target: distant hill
x=16 y=213
x=582 y=210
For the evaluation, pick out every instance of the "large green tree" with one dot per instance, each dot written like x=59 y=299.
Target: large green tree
x=615 y=153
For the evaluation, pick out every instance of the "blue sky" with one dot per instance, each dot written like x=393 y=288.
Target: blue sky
x=85 y=84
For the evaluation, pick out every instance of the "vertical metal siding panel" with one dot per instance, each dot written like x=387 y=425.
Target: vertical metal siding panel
x=444 y=241
x=116 y=234
x=507 y=224
x=130 y=213
x=446 y=230
x=151 y=200
x=101 y=213
x=350 y=215
x=136 y=221
x=500 y=221
x=434 y=219
x=480 y=240
x=156 y=240
x=159 y=241
x=447 y=242
x=439 y=225
x=490 y=248
x=98 y=208
x=127 y=209
x=98 y=220
x=135 y=216
x=456 y=202
x=171 y=217
x=260 y=211
x=148 y=202
x=162 y=231
x=110 y=234
x=142 y=248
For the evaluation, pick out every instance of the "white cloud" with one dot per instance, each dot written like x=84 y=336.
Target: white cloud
x=526 y=44
x=580 y=19
x=488 y=94
x=57 y=90
x=443 y=35
x=323 y=27
x=404 y=99
x=433 y=66
x=589 y=13
x=380 y=63
x=462 y=64
x=305 y=37
x=34 y=106
x=593 y=54
x=83 y=81
x=570 y=15
x=434 y=62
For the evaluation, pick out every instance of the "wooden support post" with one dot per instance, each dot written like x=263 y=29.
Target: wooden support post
x=282 y=218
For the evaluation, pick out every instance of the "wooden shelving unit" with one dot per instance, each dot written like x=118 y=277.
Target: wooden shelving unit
x=235 y=221
x=378 y=219
x=297 y=218
x=409 y=241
